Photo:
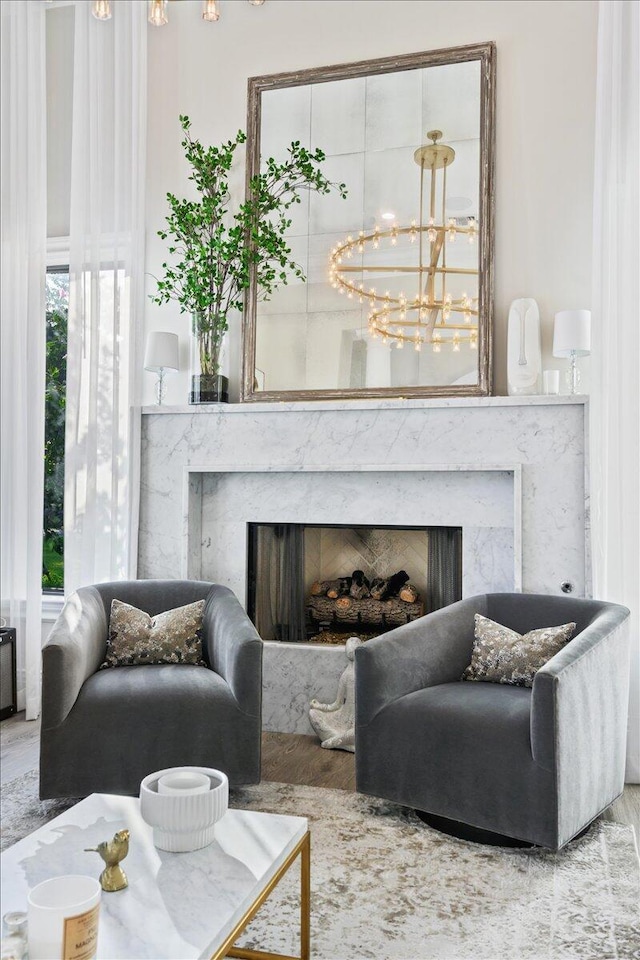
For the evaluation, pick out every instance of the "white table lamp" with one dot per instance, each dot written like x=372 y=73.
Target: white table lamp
x=572 y=339
x=161 y=354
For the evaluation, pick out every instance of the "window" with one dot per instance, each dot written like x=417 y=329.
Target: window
x=57 y=305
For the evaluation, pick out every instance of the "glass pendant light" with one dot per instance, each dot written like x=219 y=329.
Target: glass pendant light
x=210 y=10
x=158 y=13
x=101 y=9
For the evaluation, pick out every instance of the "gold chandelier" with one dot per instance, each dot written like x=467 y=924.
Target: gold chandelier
x=435 y=310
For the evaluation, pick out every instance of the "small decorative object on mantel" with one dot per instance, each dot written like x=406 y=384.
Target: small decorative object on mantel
x=335 y=722
x=572 y=339
x=113 y=877
x=524 y=348
x=217 y=251
x=162 y=353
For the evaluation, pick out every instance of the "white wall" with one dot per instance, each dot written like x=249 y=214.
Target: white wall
x=545 y=124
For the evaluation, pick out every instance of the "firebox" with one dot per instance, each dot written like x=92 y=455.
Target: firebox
x=324 y=583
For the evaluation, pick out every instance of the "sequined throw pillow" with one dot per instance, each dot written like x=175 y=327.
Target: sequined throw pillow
x=171 y=637
x=500 y=655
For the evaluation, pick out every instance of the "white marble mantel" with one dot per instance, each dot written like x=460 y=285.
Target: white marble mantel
x=538 y=441
x=509 y=470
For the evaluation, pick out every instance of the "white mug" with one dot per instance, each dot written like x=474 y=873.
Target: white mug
x=63 y=918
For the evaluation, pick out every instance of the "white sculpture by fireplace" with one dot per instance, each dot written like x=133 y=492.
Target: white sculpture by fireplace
x=335 y=722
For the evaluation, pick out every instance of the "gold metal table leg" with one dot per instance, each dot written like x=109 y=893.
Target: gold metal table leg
x=303 y=850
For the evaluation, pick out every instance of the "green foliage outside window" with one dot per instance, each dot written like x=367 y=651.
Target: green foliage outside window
x=55 y=398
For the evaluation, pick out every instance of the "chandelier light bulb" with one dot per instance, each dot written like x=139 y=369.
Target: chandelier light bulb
x=101 y=9
x=256 y=3
x=158 y=13
x=210 y=11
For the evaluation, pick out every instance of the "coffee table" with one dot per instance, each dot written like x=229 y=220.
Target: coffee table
x=177 y=906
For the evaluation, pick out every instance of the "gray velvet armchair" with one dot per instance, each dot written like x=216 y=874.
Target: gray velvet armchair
x=104 y=730
x=538 y=764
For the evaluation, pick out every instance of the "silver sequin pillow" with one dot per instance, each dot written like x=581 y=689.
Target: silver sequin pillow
x=171 y=637
x=500 y=655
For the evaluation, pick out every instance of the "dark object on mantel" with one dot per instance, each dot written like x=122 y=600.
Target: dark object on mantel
x=8 y=685
x=209 y=389
x=367 y=612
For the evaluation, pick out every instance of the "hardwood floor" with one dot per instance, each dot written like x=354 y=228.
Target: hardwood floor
x=293 y=758
x=286 y=758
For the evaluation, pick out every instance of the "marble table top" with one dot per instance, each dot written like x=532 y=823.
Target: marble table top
x=177 y=905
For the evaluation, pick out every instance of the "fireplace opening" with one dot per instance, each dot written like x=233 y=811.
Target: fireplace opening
x=325 y=583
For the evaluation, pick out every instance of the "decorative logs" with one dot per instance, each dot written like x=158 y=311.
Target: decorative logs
x=408 y=593
x=383 y=589
x=331 y=588
x=339 y=588
x=359 y=588
x=392 y=612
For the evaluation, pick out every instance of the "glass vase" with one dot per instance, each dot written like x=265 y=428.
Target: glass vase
x=208 y=383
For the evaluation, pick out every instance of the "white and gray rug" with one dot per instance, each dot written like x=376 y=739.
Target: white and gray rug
x=386 y=886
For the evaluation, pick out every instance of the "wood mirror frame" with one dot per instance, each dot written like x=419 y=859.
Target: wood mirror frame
x=485 y=53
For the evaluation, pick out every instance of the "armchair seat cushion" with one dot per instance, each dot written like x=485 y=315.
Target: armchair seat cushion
x=463 y=751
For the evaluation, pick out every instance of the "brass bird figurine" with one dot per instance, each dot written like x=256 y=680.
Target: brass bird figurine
x=112 y=852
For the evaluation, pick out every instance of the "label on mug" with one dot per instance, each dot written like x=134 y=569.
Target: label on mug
x=81 y=935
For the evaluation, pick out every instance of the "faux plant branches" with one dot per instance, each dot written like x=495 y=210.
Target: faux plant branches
x=214 y=247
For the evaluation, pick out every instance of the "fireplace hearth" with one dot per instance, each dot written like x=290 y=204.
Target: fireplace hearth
x=324 y=583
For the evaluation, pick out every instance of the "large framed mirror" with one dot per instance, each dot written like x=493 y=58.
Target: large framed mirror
x=398 y=298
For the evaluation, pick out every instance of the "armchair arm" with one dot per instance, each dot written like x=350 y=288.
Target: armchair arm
x=234 y=648
x=434 y=649
x=74 y=650
x=578 y=717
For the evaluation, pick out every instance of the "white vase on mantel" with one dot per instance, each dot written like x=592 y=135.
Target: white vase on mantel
x=524 y=348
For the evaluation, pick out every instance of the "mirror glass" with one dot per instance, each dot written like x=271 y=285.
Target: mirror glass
x=397 y=298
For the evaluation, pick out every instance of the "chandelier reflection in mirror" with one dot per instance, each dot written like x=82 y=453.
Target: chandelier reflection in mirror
x=439 y=302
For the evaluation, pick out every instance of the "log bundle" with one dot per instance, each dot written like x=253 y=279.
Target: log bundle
x=383 y=602
x=392 y=612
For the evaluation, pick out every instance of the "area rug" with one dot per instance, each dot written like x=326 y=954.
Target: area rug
x=386 y=886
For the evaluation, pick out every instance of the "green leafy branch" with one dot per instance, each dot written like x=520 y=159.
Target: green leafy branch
x=214 y=248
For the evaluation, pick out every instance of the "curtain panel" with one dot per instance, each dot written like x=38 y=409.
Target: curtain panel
x=106 y=299
x=615 y=347
x=23 y=333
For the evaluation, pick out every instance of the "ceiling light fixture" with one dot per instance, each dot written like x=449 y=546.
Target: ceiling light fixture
x=210 y=10
x=158 y=10
x=158 y=13
x=437 y=311
x=101 y=9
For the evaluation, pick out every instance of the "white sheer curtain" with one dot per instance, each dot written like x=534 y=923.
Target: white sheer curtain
x=106 y=294
x=615 y=405
x=24 y=231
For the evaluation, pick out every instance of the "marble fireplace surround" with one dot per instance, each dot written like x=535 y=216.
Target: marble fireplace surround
x=510 y=471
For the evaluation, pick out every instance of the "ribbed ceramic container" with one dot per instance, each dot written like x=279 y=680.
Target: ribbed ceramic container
x=183 y=823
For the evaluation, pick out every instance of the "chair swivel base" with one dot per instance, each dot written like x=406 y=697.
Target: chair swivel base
x=464 y=831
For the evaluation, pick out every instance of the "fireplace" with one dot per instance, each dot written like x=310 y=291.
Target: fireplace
x=323 y=583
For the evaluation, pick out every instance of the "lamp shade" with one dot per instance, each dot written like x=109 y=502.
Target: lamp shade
x=162 y=351
x=572 y=333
